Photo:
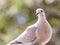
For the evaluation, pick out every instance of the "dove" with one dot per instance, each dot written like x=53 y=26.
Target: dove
x=44 y=31
x=38 y=33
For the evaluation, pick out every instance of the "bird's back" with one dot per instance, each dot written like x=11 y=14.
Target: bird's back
x=27 y=36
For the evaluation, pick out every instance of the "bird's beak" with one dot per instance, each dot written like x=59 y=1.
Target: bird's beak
x=37 y=13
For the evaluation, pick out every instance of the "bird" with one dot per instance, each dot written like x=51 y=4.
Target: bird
x=38 y=33
x=44 y=30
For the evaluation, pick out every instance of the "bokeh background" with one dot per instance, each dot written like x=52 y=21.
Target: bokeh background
x=16 y=15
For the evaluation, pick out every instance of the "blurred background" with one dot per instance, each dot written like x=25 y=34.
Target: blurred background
x=16 y=15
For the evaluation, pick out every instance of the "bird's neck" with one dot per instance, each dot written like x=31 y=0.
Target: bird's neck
x=41 y=19
x=41 y=16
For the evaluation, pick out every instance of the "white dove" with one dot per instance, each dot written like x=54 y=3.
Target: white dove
x=37 y=34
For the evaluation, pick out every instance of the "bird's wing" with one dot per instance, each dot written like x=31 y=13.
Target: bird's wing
x=27 y=36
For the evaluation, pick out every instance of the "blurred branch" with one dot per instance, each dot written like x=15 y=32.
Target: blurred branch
x=55 y=3
x=52 y=13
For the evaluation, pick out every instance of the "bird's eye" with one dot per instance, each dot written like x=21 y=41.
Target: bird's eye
x=41 y=10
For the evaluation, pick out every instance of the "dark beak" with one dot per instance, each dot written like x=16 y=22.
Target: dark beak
x=37 y=13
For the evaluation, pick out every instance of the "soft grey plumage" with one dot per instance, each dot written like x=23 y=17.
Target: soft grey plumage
x=27 y=36
x=37 y=34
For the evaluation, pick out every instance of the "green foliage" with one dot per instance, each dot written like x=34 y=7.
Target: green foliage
x=54 y=22
x=9 y=29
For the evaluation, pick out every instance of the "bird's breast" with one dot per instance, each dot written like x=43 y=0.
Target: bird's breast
x=44 y=31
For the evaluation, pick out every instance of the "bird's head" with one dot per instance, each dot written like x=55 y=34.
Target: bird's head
x=40 y=12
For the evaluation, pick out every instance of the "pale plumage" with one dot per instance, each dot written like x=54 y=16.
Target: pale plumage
x=27 y=36
x=37 y=34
